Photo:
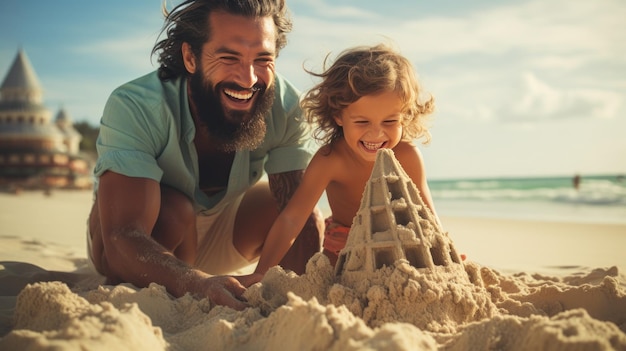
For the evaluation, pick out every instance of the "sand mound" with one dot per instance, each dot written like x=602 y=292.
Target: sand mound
x=398 y=309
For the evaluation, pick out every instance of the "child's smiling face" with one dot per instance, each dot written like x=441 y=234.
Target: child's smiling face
x=372 y=122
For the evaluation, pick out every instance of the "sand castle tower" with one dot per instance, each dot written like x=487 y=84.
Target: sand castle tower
x=393 y=223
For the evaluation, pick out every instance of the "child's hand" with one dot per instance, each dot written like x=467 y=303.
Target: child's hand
x=247 y=280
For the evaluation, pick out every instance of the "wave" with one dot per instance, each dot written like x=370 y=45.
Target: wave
x=592 y=191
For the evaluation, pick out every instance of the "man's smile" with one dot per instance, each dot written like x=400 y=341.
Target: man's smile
x=240 y=94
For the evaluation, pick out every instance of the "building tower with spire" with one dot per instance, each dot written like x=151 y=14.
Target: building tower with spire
x=36 y=152
x=71 y=137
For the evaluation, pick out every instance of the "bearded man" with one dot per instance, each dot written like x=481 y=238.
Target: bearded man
x=179 y=197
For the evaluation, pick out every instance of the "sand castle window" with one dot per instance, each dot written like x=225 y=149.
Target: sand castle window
x=383 y=257
x=356 y=259
x=454 y=255
x=380 y=220
x=376 y=194
x=402 y=217
x=437 y=254
x=412 y=254
x=423 y=213
x=395 y=188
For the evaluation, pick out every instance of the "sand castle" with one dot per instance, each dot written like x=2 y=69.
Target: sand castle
x=392 y=224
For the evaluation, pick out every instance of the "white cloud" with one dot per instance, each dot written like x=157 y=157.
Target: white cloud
x=474 y=61
x=544 y=27
x=129 y=52
x=320 y=8
x=558 y=62
x=540 y=101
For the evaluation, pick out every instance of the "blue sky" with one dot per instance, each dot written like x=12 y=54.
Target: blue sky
x=523 y=87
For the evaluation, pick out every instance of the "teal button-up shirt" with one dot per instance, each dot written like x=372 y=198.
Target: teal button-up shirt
x=147 y=131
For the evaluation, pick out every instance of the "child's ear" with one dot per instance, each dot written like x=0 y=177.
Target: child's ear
x=338 y=120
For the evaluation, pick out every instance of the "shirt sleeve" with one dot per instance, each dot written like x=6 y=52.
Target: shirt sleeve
x=293 y=148
x=128 y=143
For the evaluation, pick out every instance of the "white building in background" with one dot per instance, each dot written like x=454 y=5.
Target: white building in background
x=71 y=137
x=36 y=151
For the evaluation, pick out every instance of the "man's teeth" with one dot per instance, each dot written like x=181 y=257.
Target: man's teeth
x=372 y=146
x=238 y=95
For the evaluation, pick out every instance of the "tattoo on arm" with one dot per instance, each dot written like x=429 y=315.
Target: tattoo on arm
x=283 y=185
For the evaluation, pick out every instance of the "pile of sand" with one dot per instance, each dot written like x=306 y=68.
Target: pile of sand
x=396 y=308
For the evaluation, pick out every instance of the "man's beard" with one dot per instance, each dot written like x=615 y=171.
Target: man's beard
x=230 y=130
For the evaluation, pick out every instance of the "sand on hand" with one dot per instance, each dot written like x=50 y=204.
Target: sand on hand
x=399 y=285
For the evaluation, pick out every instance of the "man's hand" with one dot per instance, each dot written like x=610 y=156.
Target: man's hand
x=221 y=290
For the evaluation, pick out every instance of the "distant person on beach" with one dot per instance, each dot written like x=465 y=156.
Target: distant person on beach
x=179 y=198
x=368 y=99
x=576 y=181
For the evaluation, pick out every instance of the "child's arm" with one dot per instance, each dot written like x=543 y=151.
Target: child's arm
x=292 y=218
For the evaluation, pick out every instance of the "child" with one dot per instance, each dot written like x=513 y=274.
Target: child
x=368 y=99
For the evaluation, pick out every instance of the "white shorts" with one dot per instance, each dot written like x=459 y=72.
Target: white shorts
x=89 y=254
x=216 y=253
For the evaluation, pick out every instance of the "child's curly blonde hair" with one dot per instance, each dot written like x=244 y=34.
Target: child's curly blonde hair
x=364 y=71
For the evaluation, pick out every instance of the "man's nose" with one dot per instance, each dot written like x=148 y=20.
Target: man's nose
x=246 y=76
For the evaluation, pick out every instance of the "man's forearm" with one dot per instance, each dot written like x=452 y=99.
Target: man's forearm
x=138 y=259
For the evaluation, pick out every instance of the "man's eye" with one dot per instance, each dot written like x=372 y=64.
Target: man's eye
x=229 y=59
x=391 y=121
x=264 y=60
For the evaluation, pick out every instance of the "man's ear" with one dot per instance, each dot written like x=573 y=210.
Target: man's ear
x=189 y=59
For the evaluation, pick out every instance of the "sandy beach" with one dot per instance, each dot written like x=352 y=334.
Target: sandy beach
x=525 y=285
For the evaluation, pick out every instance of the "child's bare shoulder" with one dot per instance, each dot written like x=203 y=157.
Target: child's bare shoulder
x=410 y=157
x=330 y=159
x=406 y=149
x=408 y=154
x=328 y=154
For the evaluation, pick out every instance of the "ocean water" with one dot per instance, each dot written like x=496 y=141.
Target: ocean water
x=598 y=199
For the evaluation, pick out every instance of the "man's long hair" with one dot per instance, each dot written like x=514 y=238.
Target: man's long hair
x=189 y=22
